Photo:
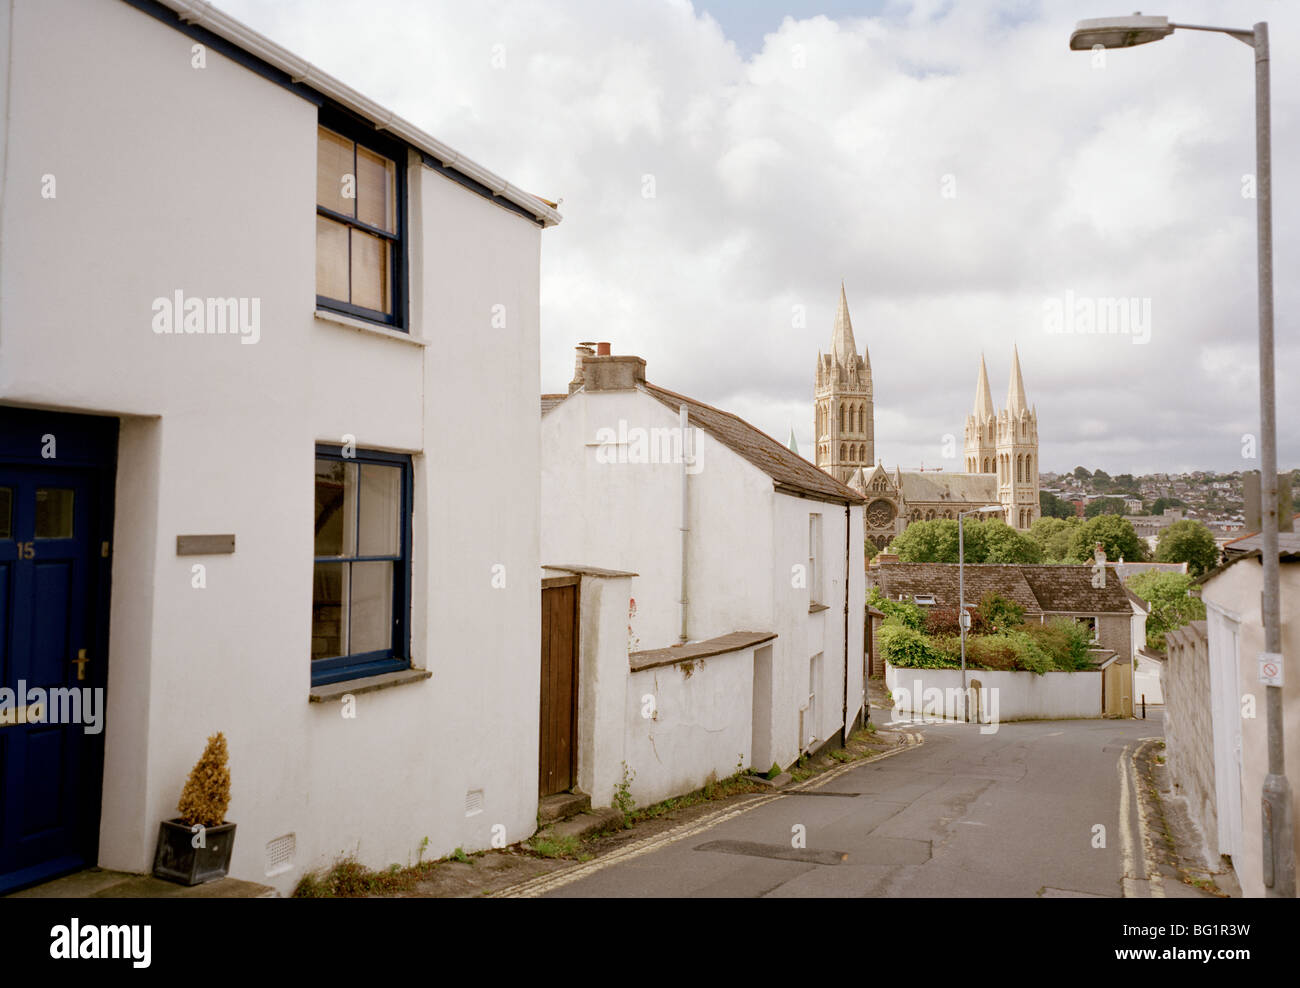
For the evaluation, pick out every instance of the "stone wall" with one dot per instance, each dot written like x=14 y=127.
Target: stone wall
x=1189 y=735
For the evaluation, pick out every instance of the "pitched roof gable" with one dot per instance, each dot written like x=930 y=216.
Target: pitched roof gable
x=788 y=470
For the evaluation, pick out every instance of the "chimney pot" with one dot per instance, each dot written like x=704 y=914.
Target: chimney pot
x=602 y=349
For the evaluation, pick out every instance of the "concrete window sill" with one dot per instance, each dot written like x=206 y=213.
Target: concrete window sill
x=361 y=326
x=815 y=608
x=367 y=684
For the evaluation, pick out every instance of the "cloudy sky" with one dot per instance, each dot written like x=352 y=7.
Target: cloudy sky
x=724 y=165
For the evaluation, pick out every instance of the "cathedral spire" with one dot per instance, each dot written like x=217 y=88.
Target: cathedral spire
x=983 y=399
x=844 y=428
x=1016 y=402
x=842 y=344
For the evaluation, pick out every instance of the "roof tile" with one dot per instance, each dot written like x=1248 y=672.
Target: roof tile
x=1038 y=588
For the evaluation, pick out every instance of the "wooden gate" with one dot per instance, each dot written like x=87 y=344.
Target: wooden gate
x=558 y=748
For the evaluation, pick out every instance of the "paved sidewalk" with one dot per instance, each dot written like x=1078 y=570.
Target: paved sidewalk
x=97 y=883
x=1177 y=848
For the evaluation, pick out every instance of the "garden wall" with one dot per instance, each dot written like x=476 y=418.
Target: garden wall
x=1004 y=696
x=688 y=723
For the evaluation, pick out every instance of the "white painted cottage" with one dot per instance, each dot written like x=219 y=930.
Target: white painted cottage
x=239 y=479
x=728 y=624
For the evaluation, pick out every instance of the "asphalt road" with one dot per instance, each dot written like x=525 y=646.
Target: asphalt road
x=961 y=814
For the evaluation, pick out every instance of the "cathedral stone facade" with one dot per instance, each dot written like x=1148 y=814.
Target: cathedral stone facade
x=845 y=432
x=1000 y=456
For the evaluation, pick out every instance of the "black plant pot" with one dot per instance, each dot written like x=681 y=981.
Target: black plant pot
x=178 y=860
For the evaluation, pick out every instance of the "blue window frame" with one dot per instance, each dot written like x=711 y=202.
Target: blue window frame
x=361 y=572
x=361 y=252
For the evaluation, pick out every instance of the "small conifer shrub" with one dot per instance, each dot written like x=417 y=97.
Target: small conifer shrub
x=207 y=791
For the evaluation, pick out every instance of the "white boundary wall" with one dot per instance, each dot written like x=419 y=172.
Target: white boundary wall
x=699 y=725
x=1004 y=696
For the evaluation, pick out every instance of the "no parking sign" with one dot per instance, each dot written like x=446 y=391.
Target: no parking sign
x=1270 y=668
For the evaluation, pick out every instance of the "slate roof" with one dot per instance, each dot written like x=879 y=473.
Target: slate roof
x=1069 y=588
x=1288 y=544
x=788 y=470
x=1287 y=552
x=1102 y=657
x=1252 y=541
x=975 y=488
x=1039 y=589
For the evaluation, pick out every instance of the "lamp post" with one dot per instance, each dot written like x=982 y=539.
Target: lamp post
x=1124 y=32
x=963 y=619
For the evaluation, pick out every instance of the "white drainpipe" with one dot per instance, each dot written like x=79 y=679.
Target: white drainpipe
x=683 y=425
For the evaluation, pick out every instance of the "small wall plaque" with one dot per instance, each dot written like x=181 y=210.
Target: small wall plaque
x=204 y=545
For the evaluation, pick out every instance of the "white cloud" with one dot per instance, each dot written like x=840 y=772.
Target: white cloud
x=821 y=157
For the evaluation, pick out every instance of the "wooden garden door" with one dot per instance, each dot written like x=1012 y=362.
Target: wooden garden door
x=557 y=752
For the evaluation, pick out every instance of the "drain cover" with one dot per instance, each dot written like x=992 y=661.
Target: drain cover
x=778 y=851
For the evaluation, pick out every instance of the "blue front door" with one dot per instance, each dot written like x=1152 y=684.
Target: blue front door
x=53 y=619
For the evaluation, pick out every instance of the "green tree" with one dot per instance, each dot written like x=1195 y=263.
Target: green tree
x=1003 y=544
x=992 y=541
x=934 y=542
x=1104 y=506
x=1051 y=506
x=1101 y=478
x=1052 y=535
x=1159 y=504
x=1188 y=542
x=1116 y=536
x=1067 y=641
x=1172 y=604
x=904 y=612
x=1000 y=614
x=1126 y=481
x=1082 y=473
x=907 y=648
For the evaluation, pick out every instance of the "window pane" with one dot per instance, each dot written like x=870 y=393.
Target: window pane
x=370 y=272
x=336 y=508
x=6 y=512
x=53 y=513
x=329 y=615
x=381 y=500
x=331 y=259
x=375 y=189
x=372 y=607
x=334 y=173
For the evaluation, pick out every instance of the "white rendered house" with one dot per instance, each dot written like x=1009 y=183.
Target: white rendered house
x=739 y=566
x=1239 y=726
x=241 y=489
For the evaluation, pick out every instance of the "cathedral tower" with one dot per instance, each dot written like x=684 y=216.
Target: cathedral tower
x=981 y=428
x=844 y=430
x=1017 y=453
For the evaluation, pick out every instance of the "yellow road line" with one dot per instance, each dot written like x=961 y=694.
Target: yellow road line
x=1148 y=840
x=1128 y=882
x=1126 y=764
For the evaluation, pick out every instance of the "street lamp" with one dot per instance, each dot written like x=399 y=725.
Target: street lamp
x=963 y=619
x=1125 y=32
